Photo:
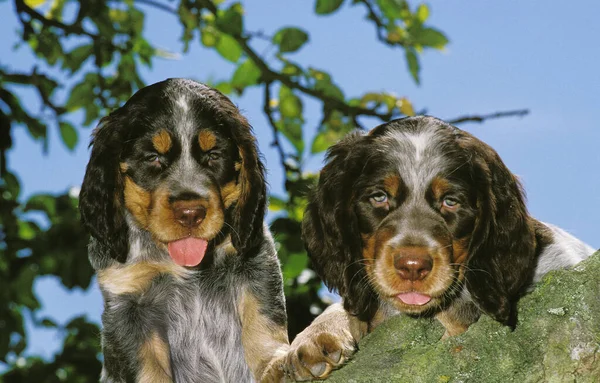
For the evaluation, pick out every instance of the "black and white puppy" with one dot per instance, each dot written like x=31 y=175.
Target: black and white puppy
x=422 y=218
x=174 y=198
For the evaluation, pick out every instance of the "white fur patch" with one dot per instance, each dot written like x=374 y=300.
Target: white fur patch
x=420 y=142
x=182 y=103
x=564 y=252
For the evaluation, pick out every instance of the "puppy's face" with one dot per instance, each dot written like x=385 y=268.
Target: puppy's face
x=416 y=210
x=181 y=163
x=179 y=178
x=410 y=213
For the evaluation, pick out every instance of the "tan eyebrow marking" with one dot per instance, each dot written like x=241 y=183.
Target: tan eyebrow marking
x=207 y=140
x=162 y=141
x=440 y=186
x=391 y=184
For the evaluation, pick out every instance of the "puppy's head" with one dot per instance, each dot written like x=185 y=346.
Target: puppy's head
x=180 y=162
x=412 y=212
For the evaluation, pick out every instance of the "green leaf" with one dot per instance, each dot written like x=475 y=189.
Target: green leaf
x=413 y=63
x=289 y=104
x=276 y=203
x=247 y=74
x=322 y=141
x=329 y=89
x=68 y=135
x=42 y=202
x=295 y=264
x=228 y=48
x=209 y=36
x=422 y=13
x=27 y=230
x=224 y=87
x=325 y=7
x=290 y=69
x=75 y=58
x=47 y=322
x=231 y=21
x=431 y=37
x=11 y=183
x=80 y=95
x=406 y=107
x=392 y=9
x=34 y=3
x=292 y=130
x=290 y=39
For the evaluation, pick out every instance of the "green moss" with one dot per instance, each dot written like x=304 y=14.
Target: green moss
x=557 y=340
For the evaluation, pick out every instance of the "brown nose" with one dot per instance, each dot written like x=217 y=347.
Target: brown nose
x=190 y=216
x=413 y=263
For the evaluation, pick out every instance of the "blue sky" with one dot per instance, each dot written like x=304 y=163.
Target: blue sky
x=502 y=55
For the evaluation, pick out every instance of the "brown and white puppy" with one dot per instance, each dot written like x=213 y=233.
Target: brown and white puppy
x=421 y=218
x=174 y=198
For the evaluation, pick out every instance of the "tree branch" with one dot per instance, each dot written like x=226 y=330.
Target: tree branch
x=276 y=143
x=75 y=29
x=379 y=25
x=491 y=116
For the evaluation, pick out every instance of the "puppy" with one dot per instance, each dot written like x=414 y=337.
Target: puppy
x=421 y=218
x=174 y=198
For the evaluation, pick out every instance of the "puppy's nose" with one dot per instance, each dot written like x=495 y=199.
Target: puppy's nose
x=413 y=263
x=190 y=216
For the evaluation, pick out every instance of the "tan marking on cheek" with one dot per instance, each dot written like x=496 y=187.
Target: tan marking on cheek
x=379 y=262
x=230 y=193
x=244 y=180
x=135 y=278
x=155 y=363
x=440 y=186
x=162 y=141
x=460 y=249
x=238 y=166
x=262 y=339
x=137 y=201
x=124 y=167
x=207 y=140
x=392 y=184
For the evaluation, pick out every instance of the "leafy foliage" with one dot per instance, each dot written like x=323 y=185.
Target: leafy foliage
x=99 y=46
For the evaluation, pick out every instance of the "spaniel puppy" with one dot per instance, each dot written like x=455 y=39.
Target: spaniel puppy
x=174 y=198
x=421 y=218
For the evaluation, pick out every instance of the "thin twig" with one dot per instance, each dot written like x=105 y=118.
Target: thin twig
x=276 y=143
x=491 y=116
x=68 y=28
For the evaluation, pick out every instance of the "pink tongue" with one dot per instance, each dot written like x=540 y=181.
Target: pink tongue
x=414 y=298
x=187 y=252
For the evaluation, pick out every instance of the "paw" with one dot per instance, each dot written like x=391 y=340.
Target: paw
x=316 y=354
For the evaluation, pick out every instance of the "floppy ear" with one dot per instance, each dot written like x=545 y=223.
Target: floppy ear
x=101 y=197
x=250 y=210
x=330 y=231
x=502 y=249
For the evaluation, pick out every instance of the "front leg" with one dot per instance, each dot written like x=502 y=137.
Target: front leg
x=264 y=336
x=325 y=345
x=457 y=318
x=134 y=343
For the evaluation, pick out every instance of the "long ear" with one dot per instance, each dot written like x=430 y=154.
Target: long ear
x=331 y=235
x=502 y=249
x=100 y=199
x=250 y=210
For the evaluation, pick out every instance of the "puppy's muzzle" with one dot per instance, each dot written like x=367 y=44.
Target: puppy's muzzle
x=412 y=263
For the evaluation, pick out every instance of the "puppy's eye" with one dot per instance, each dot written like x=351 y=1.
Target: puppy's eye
x=450 y=203
x=379 y=199
x=153 y=159
x=213 y=156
